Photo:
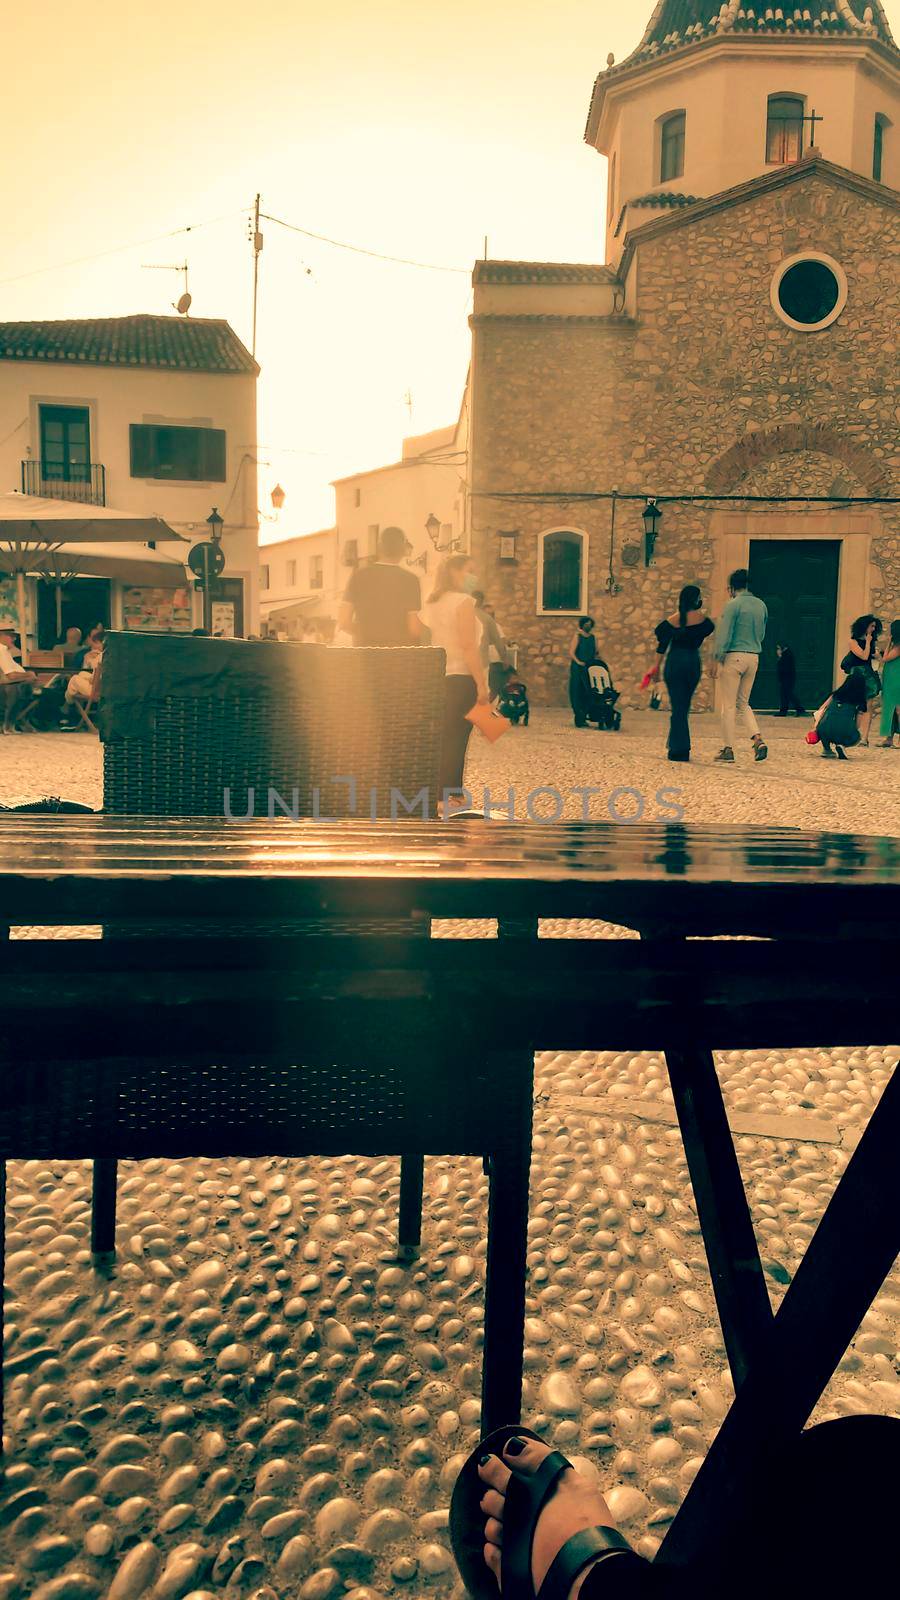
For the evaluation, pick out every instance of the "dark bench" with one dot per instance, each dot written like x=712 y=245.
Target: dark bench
x=470 y=1015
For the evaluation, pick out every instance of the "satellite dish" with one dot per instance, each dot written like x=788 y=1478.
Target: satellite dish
x=184 y=305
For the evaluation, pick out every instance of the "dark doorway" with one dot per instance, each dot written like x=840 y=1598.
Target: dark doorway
x=83 y=601
x=798 y=579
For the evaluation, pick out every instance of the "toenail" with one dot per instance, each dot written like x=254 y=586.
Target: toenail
x=515 y=1447
x=483 y=1461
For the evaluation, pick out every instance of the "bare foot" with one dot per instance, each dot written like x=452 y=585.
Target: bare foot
x=574 y=1506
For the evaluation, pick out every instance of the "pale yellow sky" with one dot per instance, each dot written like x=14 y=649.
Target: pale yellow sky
x=407 y=127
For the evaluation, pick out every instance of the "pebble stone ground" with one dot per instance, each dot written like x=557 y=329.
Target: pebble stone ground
x=258 y=1400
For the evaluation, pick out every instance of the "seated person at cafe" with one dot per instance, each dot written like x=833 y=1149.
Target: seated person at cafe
x=15 y=682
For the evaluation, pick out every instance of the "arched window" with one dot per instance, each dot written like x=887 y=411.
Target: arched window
x=671 y=146
x=611 y=196
x=881 y=127
x=562 y=571
x=784 y=129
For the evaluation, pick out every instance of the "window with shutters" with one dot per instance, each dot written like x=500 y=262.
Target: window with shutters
x=784 y=129
x=671 y=146
x=65 y=444
x=316 y=572
x=562 y=571
x=291 y=573
x=184 y=455
x=264 y=575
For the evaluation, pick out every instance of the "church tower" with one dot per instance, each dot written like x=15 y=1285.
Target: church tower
x=713 y=97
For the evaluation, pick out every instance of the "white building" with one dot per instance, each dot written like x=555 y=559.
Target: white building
x=147 y=414
x=424 y=493
x=298 y=583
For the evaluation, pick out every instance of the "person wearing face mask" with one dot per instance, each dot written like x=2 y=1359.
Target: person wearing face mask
x=582 y=655
x=453 y=624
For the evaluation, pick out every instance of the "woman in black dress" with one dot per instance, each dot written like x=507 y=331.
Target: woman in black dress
x=582 y=655
x=678 y=639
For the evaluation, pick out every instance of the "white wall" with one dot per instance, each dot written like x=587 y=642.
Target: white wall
x=724 y=91
x=119 y=396
x=277 y=555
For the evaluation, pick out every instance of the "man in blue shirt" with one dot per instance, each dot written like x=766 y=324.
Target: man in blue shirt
x=738 y=642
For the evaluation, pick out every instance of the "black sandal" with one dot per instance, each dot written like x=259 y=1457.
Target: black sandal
x=525 y=1500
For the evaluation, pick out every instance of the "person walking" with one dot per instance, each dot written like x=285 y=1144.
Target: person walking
x=494 y=654
x=739 y=640
x=679 y=639
x=582 y=655
x=382 y=601
x=449 y=614
x=860 y=661
x=890 y=690
x=787 y=681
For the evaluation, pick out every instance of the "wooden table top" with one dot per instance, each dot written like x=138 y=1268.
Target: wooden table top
x=783 y=881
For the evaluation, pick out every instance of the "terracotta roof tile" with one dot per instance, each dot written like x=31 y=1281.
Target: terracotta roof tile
x=542 y=272
x=184 y=344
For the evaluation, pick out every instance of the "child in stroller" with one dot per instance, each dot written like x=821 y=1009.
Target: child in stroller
x=602 y=698
x=513 y=700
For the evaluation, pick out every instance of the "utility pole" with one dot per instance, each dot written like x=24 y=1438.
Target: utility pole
x=256 y=240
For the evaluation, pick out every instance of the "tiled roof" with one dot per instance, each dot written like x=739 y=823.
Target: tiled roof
x=541 y=272
x=680 y=22
x=663 y=197
x=184 y=344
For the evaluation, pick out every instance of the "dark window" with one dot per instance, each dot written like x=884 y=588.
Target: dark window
x=65 y=444
x=671 y=147
x=316 y=573
x=291 y=567
x=264 y=576
x=611 y=197
x=784 y=129
x=878 y=149
x=351 y=552
x=563 y=554
x=808 y=292
x=183 y=454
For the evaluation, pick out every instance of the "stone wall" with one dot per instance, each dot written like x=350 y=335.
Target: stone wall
x=706 y=391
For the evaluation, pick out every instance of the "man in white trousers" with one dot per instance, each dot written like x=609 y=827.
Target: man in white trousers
x=738 y=642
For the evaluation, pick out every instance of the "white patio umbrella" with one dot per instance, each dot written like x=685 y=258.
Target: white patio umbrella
x=33 y=530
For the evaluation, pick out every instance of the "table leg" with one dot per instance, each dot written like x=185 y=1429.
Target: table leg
x=846 y=1262
x=737 y=1276
x=504 y=1296
x=412 y=1180
x=103 y=1207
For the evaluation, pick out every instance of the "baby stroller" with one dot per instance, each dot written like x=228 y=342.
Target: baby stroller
x=602 y=698
x=513 y=701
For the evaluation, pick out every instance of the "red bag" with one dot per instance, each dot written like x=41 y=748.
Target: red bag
x=488 y=721
x=812 y=737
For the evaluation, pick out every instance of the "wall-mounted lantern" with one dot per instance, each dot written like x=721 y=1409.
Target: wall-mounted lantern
x=652 y=516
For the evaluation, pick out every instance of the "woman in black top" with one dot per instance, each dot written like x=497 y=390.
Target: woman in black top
x=582 y=655
x=679 y=638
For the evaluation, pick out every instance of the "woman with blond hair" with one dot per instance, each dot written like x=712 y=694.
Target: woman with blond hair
x=449 y=614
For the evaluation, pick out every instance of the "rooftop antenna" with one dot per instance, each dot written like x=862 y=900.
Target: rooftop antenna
x=183 y=304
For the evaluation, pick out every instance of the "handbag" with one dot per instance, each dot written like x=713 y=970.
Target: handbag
x=488 y=721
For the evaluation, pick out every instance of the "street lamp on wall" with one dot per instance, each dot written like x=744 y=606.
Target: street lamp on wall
x=433 y=530
x=215 y=524
x=277 y=497
x=651 y=517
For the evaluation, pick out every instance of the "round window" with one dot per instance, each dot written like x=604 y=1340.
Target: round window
x=809 y=292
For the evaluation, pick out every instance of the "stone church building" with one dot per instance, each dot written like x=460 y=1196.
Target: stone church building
x=737 y=361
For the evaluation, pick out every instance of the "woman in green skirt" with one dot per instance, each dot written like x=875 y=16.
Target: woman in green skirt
x=890 y=679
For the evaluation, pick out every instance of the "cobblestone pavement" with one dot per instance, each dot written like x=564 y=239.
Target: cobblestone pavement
x=258 y=1400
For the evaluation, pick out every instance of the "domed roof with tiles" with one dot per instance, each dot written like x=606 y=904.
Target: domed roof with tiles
x=677 y=23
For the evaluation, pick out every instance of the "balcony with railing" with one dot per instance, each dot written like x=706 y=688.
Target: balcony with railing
x=85 y=484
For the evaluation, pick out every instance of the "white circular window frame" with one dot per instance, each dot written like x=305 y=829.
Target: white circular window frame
x=843 y=291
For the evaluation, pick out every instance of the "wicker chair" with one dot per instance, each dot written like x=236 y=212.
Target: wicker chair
x=213 y=727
